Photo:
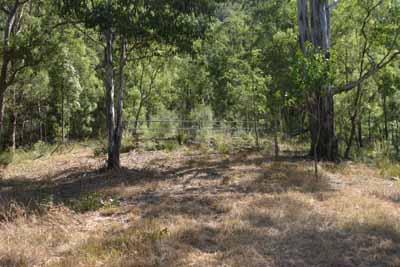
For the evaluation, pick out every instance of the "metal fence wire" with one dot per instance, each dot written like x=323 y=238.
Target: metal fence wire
x=194 y=130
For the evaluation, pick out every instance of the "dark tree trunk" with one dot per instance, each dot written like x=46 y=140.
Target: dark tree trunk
x=14 y=133
x=384 y=100
x=14 y=124
x=360 y=135
x=369 y=127
x=354 y=120
x=62 y=116
x=324 y=143
x=2 y=106
x=276 y=139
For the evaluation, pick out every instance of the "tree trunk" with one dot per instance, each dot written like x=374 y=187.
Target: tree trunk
x=2 y=106
x=354 y=120
x=119 y=129
x=62 y=116
x=321 y=107
x=112 y=162
x=14 y=133
x=360 y=135
x=324 y=144
x=276 y=140
x=14 y=123
x=369 y=127
x=141 y=102
x=40 y=122
x=384 y=100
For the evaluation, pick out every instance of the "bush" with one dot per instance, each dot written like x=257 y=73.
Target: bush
x=93 y=202
x=203 y=117
x=6 y=158
x=128 y=143
x=221 y=143
x=165 y=125
x=388 y=168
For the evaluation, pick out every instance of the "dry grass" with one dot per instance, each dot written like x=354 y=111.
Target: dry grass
x=187 y=208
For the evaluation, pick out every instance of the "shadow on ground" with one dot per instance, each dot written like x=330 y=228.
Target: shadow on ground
x=71 y=184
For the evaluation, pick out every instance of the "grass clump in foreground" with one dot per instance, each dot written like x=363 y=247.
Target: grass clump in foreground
x=138 y=245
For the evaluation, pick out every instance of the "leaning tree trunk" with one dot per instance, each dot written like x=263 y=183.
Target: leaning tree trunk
x=316 y=30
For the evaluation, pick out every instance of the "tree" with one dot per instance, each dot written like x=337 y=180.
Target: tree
x=315 y=29
x=135 y=25
x=13 y=13
x=25 y=41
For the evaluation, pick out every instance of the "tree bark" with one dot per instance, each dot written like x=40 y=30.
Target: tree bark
x=109 y=86
x=120 y=106
x=324 y=143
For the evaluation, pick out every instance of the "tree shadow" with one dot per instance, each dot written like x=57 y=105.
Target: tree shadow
x=66 y=186
x=71 y=184
x=306 y=238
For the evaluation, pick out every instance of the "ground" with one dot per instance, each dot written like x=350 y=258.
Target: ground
x=196 y=207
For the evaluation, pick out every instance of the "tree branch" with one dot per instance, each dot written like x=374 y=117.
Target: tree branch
x=349 y=86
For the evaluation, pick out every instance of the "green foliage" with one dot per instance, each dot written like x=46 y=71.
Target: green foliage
x=313 y=72
x=388 y=168
x=6 y=158
x=93 y=202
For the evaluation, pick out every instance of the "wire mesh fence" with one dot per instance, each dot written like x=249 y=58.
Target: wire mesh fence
x=195 y=130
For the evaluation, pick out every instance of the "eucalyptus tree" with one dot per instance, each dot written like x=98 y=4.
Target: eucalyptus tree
x=135 y=25
x=314 y=19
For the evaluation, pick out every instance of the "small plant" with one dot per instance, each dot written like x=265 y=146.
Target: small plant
x=6 y=158
x=171 y=145
x=41 y=148
x=128 y=143
x=221 y=143
x=93 y=202
x=388 y=168
x=100 y=149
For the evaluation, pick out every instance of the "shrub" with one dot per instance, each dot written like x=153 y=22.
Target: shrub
x=128 y=143
x=6 y=158
x=93 y=202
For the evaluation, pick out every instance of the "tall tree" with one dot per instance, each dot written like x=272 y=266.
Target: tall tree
x=135 y=25
x=314 y=21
